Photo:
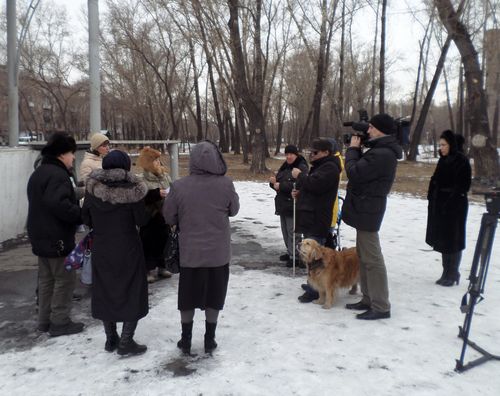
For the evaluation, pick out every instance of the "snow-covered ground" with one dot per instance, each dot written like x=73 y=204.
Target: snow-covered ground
x=270 y=344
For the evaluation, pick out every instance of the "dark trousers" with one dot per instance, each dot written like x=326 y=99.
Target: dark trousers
x=372 y=271
x=55 y=291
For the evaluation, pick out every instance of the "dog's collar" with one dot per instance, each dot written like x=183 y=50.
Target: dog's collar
x=315 y=264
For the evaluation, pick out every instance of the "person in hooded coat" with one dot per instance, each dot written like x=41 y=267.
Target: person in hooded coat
x=283 y=184
x=200 y=205
x=448 y=206
x=113 y=209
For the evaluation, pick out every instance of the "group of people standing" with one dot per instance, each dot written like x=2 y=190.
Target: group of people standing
x=130 y=217
x=371 y=173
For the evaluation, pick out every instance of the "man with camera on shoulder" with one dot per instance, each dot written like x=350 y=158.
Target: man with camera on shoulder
x=371 y=174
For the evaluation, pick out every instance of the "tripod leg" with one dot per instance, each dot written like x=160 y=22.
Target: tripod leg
x=477 y=279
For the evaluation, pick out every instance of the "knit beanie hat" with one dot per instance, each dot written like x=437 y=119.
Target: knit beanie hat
x=59 y=143
x=291 y=149
x=322 y=145
x=384 y=123
x=97 y=140
x=116 y=159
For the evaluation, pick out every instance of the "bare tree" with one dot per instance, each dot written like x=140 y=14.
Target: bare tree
x=484 y=153
x=252 y=103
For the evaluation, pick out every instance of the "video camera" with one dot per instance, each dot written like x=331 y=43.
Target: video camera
x=361 y=128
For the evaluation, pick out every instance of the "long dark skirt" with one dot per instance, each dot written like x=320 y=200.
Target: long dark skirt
x=202 y=288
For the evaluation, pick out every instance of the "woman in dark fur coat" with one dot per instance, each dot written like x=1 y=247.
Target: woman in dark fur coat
x=114 y=208
x=448 y=205
x=283 y=184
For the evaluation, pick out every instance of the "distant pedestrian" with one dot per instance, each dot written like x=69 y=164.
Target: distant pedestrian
x=155 y=233
x=114 y=208
x=200 y=205
x=92 y=159
x=283 y=183
x=53 y=217
x=448 y=206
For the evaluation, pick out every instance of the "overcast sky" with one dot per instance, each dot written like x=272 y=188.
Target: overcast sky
x=402 y=45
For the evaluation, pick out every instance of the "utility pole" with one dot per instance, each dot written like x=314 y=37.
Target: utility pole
x=12 y=74
x=94 y=67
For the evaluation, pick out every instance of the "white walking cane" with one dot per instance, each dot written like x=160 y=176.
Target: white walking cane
x=293 y=253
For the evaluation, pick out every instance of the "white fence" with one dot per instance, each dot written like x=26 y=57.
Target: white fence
x=16 y=166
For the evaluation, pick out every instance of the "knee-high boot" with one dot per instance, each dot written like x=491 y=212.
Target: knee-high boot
x=453 y=276
x=185 y=342
x=210 y=343
x=127 y=345
x=444 y=258
x=112 y=337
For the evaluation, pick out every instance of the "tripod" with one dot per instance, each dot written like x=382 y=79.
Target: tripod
x=477 y=278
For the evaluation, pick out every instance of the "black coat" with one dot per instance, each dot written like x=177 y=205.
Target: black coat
x=53 y=213
x=448 y=204
x=370 y=175
x=283 y=201
x=114 y=208
x=318 y=191
x=155 y=233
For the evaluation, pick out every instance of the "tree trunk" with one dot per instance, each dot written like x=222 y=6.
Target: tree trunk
x=253 y=107
x=381 y=103
x=484 y=153
x=417 y=133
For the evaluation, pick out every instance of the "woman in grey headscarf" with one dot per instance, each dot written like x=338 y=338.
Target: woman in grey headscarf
x=200 y=205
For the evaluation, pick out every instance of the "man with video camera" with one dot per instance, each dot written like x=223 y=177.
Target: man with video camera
x=371 y=174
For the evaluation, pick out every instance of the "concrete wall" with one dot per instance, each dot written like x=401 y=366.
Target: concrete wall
x=16 y=166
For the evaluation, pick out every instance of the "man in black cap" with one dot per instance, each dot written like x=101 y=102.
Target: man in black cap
x=53 y=216
x=316 y=195
x=371 y=175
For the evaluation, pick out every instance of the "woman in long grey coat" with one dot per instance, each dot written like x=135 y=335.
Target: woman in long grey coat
x=114 y=208
x=200 y=205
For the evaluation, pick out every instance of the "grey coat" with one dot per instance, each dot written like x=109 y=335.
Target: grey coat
x=201 y=204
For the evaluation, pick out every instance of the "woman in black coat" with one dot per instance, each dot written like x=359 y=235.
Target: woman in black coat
x=114 y=208
x=283 y=184
x=448 y=205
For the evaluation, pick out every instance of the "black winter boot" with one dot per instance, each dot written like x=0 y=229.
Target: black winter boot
x=210 y=343
x=112 y=338
x=127 y=345
x=185 y=342
x=452 y=276
x=443 y=275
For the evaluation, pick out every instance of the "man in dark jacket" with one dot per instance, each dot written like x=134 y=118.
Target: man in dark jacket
x=316 y=195
x=53 y=216
x=282 y=183
x=371 y=175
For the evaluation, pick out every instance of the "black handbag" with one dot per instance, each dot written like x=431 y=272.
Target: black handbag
x=172 y=251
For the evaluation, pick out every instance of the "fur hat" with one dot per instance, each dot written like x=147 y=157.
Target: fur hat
x=97 y=139
x=116 y=159
x=59 y=143
x=146 y=158
x=451 y=139
x=322 y=145
x=384 y=123
x=291 y=149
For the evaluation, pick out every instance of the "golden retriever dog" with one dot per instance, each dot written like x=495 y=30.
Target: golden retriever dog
x=329 y=270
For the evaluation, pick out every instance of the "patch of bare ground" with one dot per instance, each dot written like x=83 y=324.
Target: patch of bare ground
x=412 y=178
